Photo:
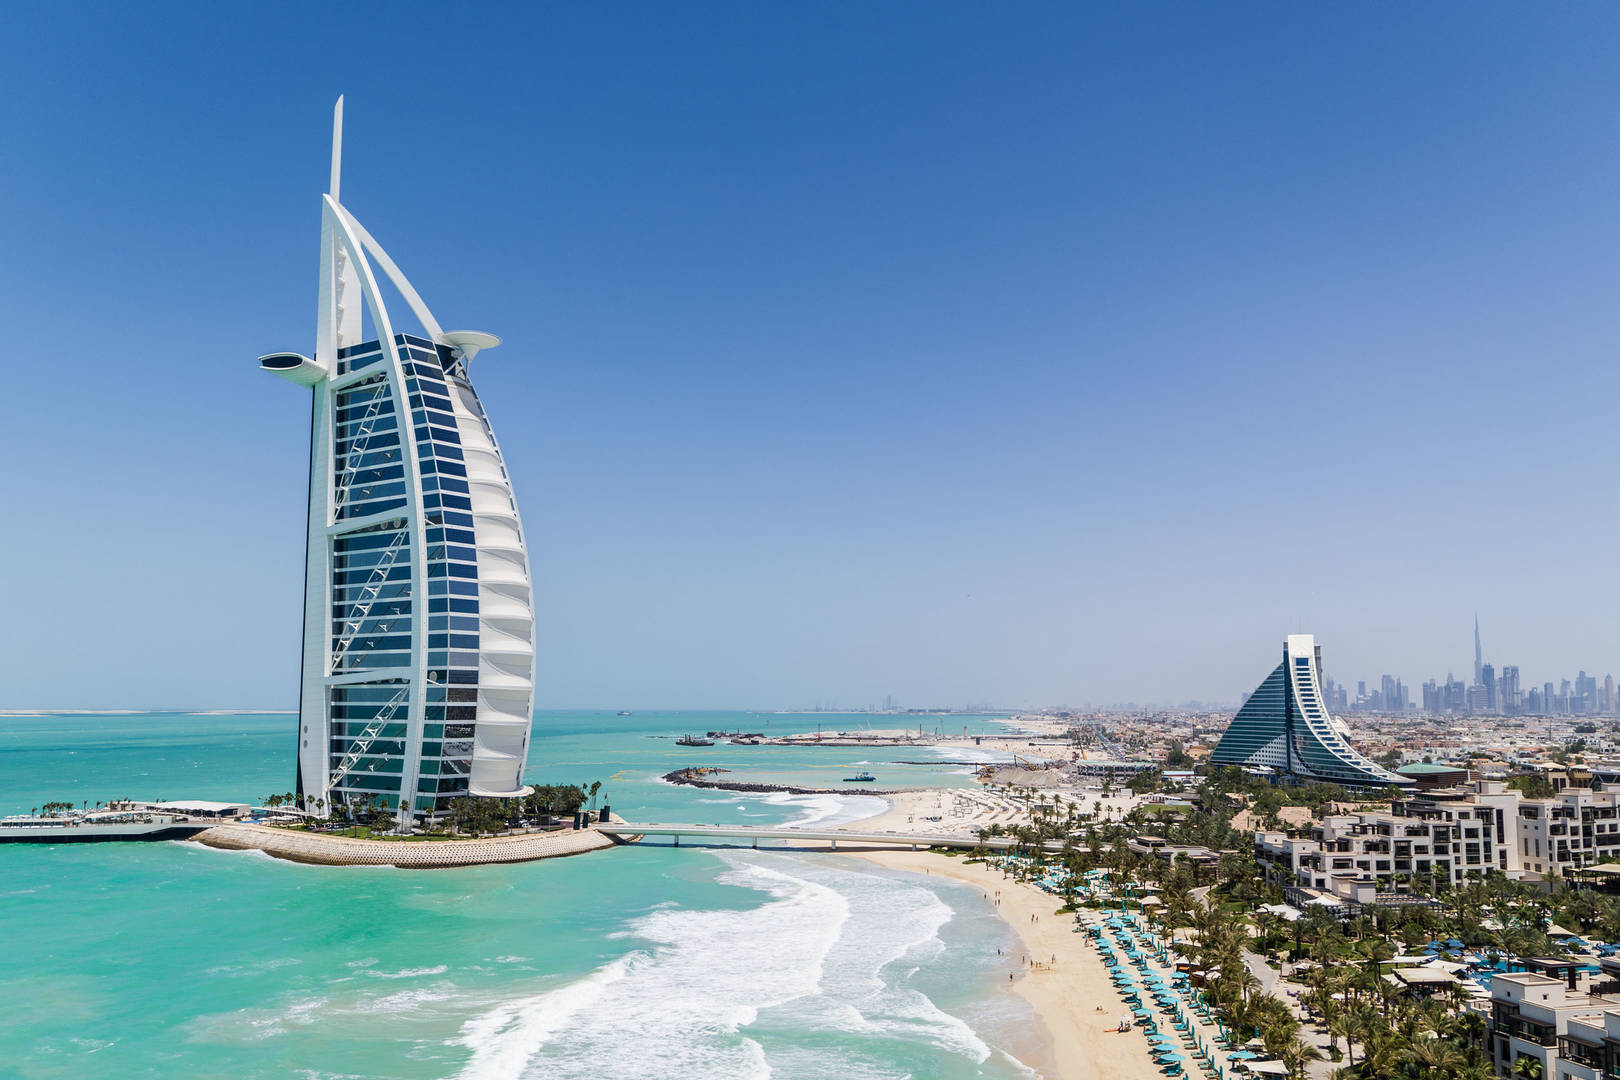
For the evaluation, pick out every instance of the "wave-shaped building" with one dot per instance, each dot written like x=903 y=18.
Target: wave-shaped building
x=1285 y=728
x=418 y=661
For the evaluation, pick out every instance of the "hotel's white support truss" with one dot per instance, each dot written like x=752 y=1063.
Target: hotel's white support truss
x=418 y=669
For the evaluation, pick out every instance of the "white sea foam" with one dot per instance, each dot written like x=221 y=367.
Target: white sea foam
x=505 y=1039
x=891 y=921
x=253 y=1025
x=209 y=852
x=828 y=810
x=677 y=1008
x=729 y=995
x=408 y=973
x=407 y=1004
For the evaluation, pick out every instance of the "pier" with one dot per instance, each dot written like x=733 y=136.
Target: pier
x=626 y=830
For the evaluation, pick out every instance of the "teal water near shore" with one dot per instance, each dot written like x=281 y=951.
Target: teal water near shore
x=171 y=960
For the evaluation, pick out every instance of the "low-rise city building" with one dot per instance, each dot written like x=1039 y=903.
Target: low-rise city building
x=1574 y=829
x=1429 y=838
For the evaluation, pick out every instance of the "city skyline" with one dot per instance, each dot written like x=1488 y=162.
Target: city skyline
x=1495 y=690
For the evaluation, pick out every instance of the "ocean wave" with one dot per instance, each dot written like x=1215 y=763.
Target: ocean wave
x=406 y=1004
x=814 y=982
x=828 y=810
x=257 y=1025
x=892 y=921
x=678 y=1007
x=253 y=968
x=408 y=973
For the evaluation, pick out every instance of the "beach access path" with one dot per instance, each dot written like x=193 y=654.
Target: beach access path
x=1064 y=995
x=325 y=849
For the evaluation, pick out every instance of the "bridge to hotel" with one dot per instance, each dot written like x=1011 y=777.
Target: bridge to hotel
x=627 y=830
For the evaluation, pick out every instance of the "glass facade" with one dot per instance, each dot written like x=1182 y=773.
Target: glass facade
x=377 y=601
x=1285 y=727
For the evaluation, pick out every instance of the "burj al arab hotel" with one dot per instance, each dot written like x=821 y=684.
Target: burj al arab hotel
x=418 y=662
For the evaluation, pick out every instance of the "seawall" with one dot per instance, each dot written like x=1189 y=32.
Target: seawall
x=325 y=850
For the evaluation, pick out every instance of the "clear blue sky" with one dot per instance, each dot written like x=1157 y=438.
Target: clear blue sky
x=1036 y=354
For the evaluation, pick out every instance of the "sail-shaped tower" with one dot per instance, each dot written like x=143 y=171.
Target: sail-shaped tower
x=418 y=660
x=1285 y=728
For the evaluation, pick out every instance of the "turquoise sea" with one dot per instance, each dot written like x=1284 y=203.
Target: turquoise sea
x=175 y=961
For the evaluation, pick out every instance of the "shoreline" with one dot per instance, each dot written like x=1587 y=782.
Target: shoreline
x=1064 y=995
x=317 y=849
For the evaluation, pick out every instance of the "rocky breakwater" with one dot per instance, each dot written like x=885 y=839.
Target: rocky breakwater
x=701 y=777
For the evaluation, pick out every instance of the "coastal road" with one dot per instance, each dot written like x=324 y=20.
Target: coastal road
x=1266 y=975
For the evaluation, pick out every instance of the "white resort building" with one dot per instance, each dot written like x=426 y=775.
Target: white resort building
x=418 y=659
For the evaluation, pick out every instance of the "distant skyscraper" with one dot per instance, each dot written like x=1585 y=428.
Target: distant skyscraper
x=1479 y=655
x=418 y=658
x=1608 y=693
x=1508 y=689
x=1547 y=698
x=1456 y=695
x=1284 y=726
x=1586 y=696
x=1487 y=679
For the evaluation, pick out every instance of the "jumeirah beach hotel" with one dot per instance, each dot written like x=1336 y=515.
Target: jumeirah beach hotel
x=1285 y=729
x=418 y=661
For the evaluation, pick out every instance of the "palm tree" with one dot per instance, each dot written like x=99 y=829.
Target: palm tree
x=1342 y=1023
x=1297 y=1055
x=1430 y=1057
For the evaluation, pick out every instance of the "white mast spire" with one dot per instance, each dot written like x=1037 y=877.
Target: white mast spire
x=337 y=148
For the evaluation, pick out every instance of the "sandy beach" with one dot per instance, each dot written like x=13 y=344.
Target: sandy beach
x=1065 y=994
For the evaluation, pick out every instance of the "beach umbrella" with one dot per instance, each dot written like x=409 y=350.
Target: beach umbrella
x=1143 y=1012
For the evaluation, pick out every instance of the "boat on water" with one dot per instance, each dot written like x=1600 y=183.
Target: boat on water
x=624 y=712
x=693 y=740
x=862 y=777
